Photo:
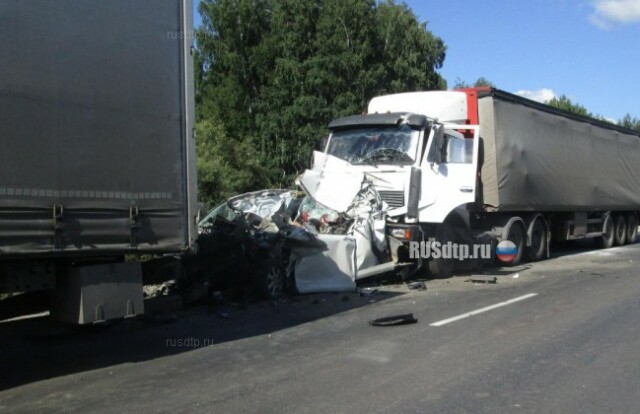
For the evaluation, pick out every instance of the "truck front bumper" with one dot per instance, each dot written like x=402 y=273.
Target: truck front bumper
x=399 y=236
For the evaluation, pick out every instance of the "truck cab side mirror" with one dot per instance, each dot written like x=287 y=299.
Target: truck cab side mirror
x=322 y=146
x=298 y=166
x=438 y=151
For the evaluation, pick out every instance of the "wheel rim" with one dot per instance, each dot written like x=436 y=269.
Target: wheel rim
x=632 y=229
x=516 y=236
x=274 y=281
x=607 y=235
x=620 y=230
x=538 y=240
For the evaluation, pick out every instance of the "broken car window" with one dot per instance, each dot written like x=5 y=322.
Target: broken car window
x=223 y=211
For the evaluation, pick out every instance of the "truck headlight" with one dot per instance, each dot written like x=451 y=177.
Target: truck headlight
x=403 y=234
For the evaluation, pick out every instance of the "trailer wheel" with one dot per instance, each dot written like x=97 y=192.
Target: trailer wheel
x=441 y=267
x=538 y=248
x=607 y=238
x=620 y=233
x=632 y=228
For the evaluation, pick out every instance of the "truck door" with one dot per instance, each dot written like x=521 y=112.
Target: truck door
x=449 y=171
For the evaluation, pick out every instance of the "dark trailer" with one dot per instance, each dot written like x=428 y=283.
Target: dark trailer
x=97 y=154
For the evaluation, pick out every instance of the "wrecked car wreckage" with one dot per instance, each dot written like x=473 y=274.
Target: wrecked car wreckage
x=278 y=240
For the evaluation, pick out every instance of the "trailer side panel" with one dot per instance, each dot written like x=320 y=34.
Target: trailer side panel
x=537 y=160
x=95 y=137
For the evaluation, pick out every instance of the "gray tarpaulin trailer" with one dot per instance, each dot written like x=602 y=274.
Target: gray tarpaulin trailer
x=540 y=159
x=96 y=135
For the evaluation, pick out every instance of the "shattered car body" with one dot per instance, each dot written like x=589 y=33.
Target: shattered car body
x=240 y=243
x=355 y=244
x=278 y=239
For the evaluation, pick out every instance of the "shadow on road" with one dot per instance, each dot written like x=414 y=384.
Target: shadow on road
x=38 y=349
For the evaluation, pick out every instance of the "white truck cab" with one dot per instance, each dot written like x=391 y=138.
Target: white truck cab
x=419 y=152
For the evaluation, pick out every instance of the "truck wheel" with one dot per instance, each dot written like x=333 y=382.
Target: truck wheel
x=620 y=232
x=441 y=267
x=632 y=228
x=538 y=249
x=607 y=238
x=516 y=235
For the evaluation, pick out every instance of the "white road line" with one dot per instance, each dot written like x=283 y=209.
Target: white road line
x=485 y=309
x=23 y=317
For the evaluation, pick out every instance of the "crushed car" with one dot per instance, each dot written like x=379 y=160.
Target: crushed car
x=239 y=243
x=277 y=240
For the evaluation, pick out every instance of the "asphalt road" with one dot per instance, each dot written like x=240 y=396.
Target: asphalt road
x=574 y=346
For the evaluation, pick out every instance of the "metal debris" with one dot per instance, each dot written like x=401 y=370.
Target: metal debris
x=367 y=291
x=396 y=320
x=161 y=289
x=479 y=280
x=417 y=285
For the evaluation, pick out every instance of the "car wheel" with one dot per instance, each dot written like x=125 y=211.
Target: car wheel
x=270 y=283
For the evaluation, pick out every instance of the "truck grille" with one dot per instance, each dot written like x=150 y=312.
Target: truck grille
x=394 y=199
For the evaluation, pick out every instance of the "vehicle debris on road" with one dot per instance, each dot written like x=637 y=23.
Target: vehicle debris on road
x=396 y=320
x=367 y=291
x=417 y=285
x=480 y=280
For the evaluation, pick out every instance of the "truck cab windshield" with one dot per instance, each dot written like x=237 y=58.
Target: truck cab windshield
x=395 y=145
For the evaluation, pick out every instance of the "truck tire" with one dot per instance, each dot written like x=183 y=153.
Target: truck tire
x=442 y=268
x=538 y=249
x=516 y=235
x=620 y=230
x=607 y=239
x=632 y=228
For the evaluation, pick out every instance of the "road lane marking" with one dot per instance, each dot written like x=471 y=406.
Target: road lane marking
x=23 y=317
x=481 y=310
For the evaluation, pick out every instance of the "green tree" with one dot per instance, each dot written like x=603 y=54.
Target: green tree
x=408 y=59
x=564 y=103
x=270 y=75
x=230 y=65
x=480 y=82
x=225 y=166
x=630 y=122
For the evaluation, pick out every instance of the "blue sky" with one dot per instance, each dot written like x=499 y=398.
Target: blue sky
x=588 y=50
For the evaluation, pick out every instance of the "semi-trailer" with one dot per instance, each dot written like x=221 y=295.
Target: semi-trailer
x=481 y=165
x=97 y=151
